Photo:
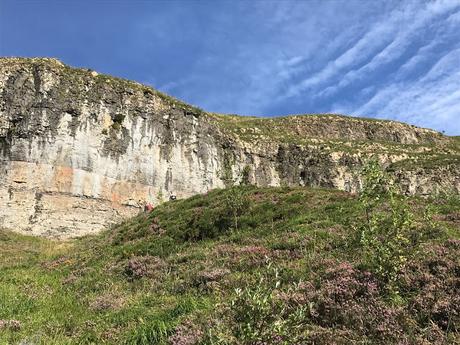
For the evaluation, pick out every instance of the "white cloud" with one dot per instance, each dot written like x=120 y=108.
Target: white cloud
x=397 y=28
x=432 y=101
x=379 y=36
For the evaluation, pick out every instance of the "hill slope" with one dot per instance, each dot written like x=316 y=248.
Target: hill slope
x=80 y=150
x=282 y=265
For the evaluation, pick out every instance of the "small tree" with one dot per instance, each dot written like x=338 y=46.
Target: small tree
x=385 y=233
x=236 y=202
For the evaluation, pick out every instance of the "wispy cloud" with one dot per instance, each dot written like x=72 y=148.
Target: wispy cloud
x=432 y=101
x=364 y=47
x=387 y=31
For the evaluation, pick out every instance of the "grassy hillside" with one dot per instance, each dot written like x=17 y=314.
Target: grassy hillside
x=236 y=266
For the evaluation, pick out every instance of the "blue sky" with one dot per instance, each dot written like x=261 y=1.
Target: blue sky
x=388 y=59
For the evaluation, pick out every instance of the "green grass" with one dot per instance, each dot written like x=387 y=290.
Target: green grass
x=303 y=128
x=427 y=161
x=79 y=292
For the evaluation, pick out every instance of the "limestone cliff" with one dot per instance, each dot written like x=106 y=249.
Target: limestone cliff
x=80 y=150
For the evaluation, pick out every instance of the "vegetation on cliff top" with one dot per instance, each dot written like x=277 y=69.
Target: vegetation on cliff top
x=244 y=265
x=245 y=126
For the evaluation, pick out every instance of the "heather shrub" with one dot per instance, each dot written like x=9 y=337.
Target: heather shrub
x=212 y=275
x=187 y=333
x=432 y=287
x=340 y=303
x=210 y=279
x=348 y=298
x=143 y=266
x=106 y=302
x=13 y=325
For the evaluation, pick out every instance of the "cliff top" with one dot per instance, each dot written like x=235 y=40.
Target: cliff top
x=296 y=129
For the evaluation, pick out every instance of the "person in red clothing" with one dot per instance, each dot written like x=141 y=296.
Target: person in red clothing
x=148 y=208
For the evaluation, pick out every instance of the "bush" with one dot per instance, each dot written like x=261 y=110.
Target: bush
x=117 y=121
x=206 y=223
x=245 y=176
x=258 y=315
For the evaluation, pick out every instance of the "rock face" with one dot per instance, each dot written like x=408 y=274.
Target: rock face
x=80 y=151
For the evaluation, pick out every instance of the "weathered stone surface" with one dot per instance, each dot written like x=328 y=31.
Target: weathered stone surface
x=80 y=151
